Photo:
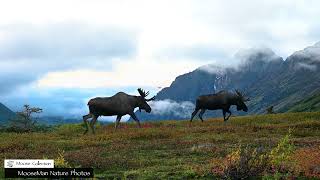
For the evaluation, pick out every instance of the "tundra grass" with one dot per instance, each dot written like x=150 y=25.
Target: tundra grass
x=165 y=149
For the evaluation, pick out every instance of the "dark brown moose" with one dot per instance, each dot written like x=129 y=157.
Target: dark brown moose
x=120 y=104
x=221 y=100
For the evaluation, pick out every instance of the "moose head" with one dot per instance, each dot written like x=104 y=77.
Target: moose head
x=142 y=101
x=241 y=98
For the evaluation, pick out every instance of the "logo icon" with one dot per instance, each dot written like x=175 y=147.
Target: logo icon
x=10 y=163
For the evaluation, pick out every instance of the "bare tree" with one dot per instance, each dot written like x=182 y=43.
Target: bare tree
x=24 y=120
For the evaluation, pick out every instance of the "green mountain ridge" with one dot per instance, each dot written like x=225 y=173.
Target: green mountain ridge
x=5 y=114
x=309 y=104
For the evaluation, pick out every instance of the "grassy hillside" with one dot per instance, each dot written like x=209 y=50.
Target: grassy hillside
x=172 y=149
x=310 y=104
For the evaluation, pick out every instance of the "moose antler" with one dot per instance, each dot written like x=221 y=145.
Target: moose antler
x=238 y=92
x=242 y=95
x=151 y=99
x=143 y=93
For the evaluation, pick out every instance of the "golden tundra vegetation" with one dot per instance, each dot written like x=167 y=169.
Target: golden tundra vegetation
x=274 y=146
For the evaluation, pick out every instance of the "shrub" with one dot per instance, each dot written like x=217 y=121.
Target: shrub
x=69 y=129
x=60 y=161
x=280 y=155
x=242 y=163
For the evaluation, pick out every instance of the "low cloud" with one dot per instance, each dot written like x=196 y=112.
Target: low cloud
x=213 y=69
x=246 y=56
x=241 y=59
x=311 y=67
x=308 y=57
x=311 y=52
x=170 y=107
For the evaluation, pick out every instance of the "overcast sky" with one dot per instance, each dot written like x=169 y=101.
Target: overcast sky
x=103 y=46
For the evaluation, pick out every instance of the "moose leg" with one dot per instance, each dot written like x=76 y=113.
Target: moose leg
x=117 y=121
x=93 y=121
x=224 y=115
x=134 y=117
x=201 y=114
x=228 y=111
x=85 y=118
x=194 y=113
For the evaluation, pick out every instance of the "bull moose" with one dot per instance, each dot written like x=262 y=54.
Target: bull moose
x=221 y=100
x=119 y=104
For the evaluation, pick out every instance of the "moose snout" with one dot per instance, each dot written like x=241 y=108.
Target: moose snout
x=148 y=110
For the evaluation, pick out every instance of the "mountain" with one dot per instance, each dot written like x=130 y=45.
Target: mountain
x=265 y=77
x=5 y=114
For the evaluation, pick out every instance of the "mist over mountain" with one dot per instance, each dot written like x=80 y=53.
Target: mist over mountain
x=266 y=78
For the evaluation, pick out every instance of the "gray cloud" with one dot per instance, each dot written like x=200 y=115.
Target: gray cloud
x=196 y=51
x=62 y=41
x=10 y=81
x=28 y=52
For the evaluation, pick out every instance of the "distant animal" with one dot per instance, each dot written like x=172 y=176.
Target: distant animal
x=269 y=110
x=120 y=104
x=221 y=100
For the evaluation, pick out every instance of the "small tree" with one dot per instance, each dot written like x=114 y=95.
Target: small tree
x=24 y=122
x=269 y=110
